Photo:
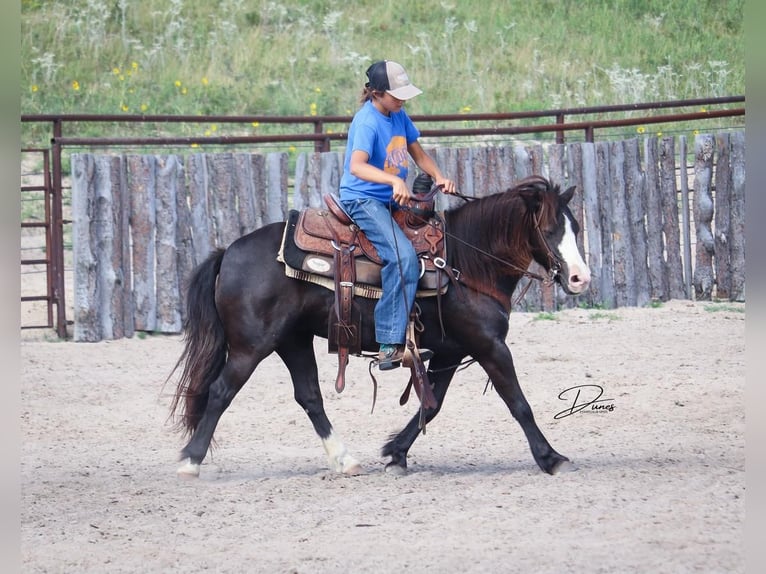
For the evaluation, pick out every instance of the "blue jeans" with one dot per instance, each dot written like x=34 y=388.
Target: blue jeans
x=401 y=269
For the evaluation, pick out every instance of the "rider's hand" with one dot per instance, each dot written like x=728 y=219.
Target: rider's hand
x=447 y=185
x=402 y=194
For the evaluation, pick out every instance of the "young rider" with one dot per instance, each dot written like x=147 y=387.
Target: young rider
x=381 y=139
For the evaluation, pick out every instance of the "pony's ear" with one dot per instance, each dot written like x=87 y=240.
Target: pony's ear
x=566 y=197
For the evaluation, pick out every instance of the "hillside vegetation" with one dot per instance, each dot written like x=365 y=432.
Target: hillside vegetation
x=308 y=57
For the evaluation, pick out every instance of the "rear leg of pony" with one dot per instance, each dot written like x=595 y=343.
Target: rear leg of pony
x=398 y=447
x=232 y=378
x=298 y=354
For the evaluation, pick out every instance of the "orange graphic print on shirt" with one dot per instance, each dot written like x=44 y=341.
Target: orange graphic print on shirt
x=397 y=158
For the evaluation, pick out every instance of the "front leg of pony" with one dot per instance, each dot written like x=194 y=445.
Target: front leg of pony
x=507 y=386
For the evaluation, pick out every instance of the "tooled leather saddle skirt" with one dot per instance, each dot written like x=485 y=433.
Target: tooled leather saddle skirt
x=312 y=237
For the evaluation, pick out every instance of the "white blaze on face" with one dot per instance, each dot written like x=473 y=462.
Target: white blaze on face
x=579 y=274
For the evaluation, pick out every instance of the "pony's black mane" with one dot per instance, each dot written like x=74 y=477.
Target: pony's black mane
x=499 y=224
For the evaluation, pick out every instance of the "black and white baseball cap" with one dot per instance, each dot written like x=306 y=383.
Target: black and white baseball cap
x=388 y=76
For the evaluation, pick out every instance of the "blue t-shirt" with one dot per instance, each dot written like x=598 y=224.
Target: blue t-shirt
x=385 y=140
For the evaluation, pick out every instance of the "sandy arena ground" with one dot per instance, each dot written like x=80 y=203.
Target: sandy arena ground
x=660 y=483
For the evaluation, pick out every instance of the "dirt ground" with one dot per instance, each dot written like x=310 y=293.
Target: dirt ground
x=660 y=483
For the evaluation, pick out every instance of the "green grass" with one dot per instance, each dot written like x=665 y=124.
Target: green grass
x=602 y=315
x=723 y=307
x=308 y=57
x=545 y=316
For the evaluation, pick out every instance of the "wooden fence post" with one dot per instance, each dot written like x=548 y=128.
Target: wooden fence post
x=276 y=191
x=446 y=159
x=203 y=236
x=624 y=273
x=170 y=182
x=245 y=192
x=331 y=170
x=670 y=228
x=221 y=198
x=737 y=226
x=86 y=327
x=722 y=218
x=603 y=185
x=655 y=245
x=635 y=190
x=592 y=222
x=464 y=179
x=704 y=148
x=141 y=179
x=185 y=261
x=686 y=217
x=479 y=171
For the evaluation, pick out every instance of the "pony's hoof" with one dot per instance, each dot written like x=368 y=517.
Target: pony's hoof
x=188 y=469
x=353 y=470
x=395 y=469
x=564 y=466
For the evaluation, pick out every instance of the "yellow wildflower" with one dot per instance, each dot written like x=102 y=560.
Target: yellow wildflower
x=205 y=81
x=641 y=129
x=255 y=124
x=35 y=88
x=124 y=107
x=177 y=83
x=144 y=107
x=313 y=109
x=75 y=85
x=116 y=71
x=134 y=66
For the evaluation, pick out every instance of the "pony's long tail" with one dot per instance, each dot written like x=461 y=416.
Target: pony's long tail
x=205 y=349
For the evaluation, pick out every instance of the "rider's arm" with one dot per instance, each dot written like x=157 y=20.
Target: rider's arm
x=361 y=168
x=426 y=163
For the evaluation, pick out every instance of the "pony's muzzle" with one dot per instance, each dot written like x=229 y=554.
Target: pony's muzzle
x=578 y=279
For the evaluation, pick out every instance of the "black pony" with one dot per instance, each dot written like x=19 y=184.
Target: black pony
x=242 y=307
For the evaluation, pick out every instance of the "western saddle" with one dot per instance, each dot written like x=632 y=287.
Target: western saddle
x=325 y=246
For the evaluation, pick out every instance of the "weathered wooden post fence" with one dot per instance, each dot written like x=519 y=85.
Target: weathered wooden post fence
x=141 y=223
